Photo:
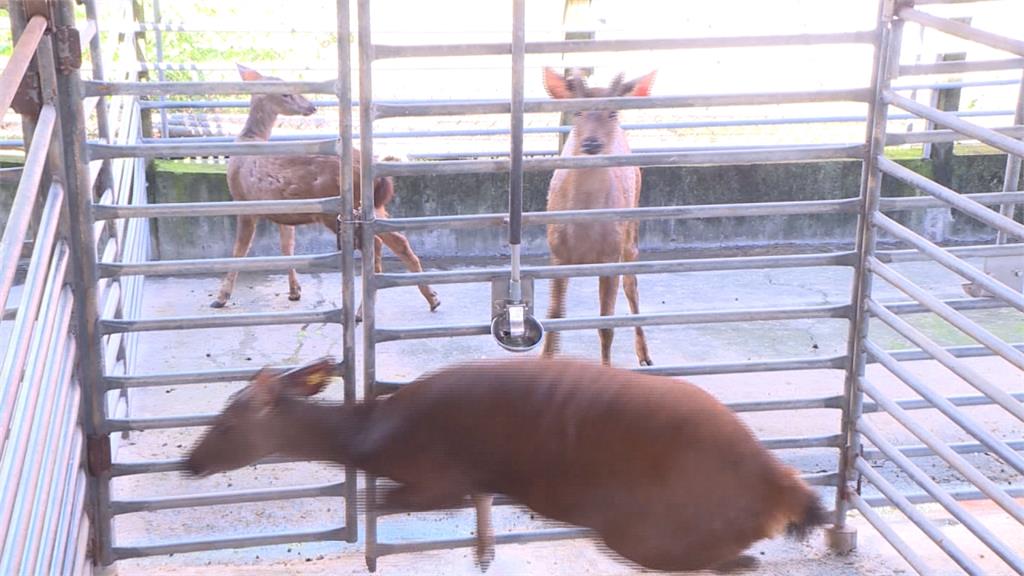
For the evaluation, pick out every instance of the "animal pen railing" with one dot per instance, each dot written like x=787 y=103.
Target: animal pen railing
x=109 y=282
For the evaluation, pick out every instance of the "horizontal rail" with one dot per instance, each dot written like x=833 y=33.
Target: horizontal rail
x=232 y=208
x=622 y=321
x=317 y=262
x=923 y=498
x=956 y=351
x=774 y=154
x=17 y=63
x=951 y=197
x=914 y=255
x=120 y=325
x=547 y=535
x=890 y=535
x=986 y=135
x=933 y=136
x=114 y=382
x=218 y=498
x=330 y=534
x=385 y=51
x=298 y=148
x=924 y=202
x=390 y=280
x=161 y=423
x=107 y=88
x=995 y=287
x=961 y=30
x=961 y=67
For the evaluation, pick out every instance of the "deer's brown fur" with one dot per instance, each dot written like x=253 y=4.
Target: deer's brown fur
x=299 y=177
x=664 y=474
x=595 y=132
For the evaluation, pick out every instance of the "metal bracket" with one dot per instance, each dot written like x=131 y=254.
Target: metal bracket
x=69 y=49
x=98 y=454
x=499 y=295
x=28 y=98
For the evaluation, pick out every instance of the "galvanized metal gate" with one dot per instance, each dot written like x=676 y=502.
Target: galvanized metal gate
x=109 y=282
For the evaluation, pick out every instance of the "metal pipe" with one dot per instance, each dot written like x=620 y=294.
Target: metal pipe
x=122 y=325
x=958 y=462
x=922 y=498
x=623 y=321
x=62 y=496
x=940 y=496
x=951 y=197
x=913 y=255
x=233 y=497
x=958 y=320
x=106 y=88
x=1011 y=197
x=318 y=262
x=21 y=56
x=961 y=67
x=1011 y=176
x=961 y=30
x=956 y=351
x=990 y=137
x=517 y=106
x=302 y=148
x=330 y=205
x=968 y=424
x=544 y=535
x=918 y=518
x=58 y=542
x=933 y=136
x=20 y=214
x=391 y=280
x=890 y=535
x=995 y=287
x=329 y=534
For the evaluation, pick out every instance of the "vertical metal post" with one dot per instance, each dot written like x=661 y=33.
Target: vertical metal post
x=887 y=41
x=366 y=114
x=1011 y=178
x=515 y=190
x=85 y=274
x=346 y=243
x=102 y=119
x=157 y=23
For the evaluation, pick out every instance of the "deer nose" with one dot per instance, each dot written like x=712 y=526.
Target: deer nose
x=591 y=145
x=309 y=110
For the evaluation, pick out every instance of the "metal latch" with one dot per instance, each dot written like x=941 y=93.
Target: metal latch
x=69 y=49
x=28 y=98
x=98 y=454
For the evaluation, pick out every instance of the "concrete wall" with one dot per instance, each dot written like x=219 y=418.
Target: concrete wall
x=481 y=193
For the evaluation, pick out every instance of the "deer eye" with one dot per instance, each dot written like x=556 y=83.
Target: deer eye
x=612 y=115
x=577 y=114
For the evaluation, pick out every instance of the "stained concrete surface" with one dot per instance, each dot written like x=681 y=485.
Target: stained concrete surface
x=468 y=303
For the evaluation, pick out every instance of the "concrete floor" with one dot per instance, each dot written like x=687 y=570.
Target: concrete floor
x=207 y=349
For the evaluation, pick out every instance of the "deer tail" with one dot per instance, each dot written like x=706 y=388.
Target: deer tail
x=811 y=515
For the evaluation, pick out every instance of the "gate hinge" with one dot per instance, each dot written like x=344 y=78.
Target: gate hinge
x=69 y=49
x=98 y=454
x=28 y=98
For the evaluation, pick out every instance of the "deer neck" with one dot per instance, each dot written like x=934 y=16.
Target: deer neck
x=259 y=124
x=321 y=431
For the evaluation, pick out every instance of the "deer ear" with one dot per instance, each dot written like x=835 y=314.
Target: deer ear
x=248 y=74
x=265 y=388
x=639 y=86
x=556 y=85
x=309 y=379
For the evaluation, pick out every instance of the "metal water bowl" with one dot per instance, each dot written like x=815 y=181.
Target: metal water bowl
x=516 y=330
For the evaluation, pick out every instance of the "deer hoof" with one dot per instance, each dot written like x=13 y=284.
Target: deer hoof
x=295 y=296
x=218 y=303
x=435 y=303
x=646 y=362
x=484 y=557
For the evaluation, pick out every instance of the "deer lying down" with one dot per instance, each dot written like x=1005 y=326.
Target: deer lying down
x=298 y=177
x=666 y=476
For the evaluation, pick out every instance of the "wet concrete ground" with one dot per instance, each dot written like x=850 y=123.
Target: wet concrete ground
x=669 y=345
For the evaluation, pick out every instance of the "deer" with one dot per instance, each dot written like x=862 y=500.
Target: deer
x=300 y=177
x=595 y=132
x=662 y=473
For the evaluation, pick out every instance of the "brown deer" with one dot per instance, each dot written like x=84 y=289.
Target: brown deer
x=295 y=177
x=595 y=132
x=663 y=473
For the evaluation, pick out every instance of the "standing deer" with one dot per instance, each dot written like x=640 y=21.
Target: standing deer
x=595 y=132
x=663 y=473
x=295 y=177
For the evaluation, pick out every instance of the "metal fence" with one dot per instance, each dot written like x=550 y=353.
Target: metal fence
x=108 y=282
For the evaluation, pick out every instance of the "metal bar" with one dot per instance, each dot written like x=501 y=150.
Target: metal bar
x=958 y=320
x=1011 y=176
x=951 y=197
x=389 y=110
x=623 y=321
x=330 y=534
x=913 y=255
x=49 y=548
x=104 y=88
x=318 y=262
x=990 y=137
x=384 y=51
x=921 y=451
x=995 y=287
x=968 y=424
x=20 y=214
x=890 y=535
x=958 y=462
x=961 y=67
x=17 y=63
x=923 y=202
x=932 y=136
x=957 y=304
x=919 y=519
x=973 y=400
x=329 y=205
x=841 y=206
x=956 y=351
x=517 y=106
x=120 y=325
x=961 y=30
x=75 y=488
x=390 y=280
x=922 y=498
x=220 y=498
x=546 y=535
x=948 y=502
x=162 y=423
x=301 y=148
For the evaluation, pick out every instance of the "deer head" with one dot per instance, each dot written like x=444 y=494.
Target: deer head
x=283 y=104
x=250 y=428
x=595 y=129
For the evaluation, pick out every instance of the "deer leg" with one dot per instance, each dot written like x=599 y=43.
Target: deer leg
x=378 y=255
x=484 y=530
x=288 y=249
x=244 y=233
x=399 y=244
x=556 y=309
x=608 y=289
x=629 y=286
